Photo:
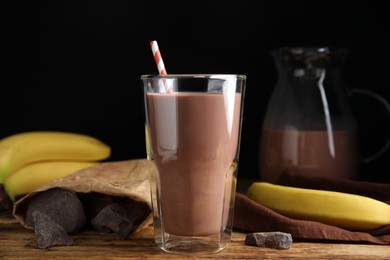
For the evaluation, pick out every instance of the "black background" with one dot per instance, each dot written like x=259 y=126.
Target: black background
x=76 y=65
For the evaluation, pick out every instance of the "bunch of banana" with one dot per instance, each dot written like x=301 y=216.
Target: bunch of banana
x=31 y=159
x=339 y=209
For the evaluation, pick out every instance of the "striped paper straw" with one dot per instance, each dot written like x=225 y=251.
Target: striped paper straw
x=160 y=64
x=158 y=58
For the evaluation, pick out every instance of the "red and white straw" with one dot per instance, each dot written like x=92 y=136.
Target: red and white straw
x=158 y=58
x=160 y=64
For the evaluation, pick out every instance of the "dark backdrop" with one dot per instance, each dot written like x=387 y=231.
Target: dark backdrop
x=76 y=65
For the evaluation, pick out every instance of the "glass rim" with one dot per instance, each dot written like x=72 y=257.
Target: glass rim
x=194 y=76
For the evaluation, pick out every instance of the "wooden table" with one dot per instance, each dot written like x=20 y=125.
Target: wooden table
x=17 y=242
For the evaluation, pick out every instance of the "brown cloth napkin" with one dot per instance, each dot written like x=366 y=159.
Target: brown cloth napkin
x=252 y=217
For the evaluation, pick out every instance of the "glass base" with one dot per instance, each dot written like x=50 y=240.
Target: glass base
x=192 y=245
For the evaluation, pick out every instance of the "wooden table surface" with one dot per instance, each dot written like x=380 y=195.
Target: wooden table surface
x=17 y=242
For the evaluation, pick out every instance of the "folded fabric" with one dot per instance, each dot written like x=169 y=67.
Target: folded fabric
x=379 y=191
x=250 y=216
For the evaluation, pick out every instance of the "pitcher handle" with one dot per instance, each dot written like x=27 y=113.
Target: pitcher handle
x=386 y=105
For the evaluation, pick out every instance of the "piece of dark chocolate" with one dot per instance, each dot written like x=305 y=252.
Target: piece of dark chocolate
x=108 y=220
x=277 y=240
x=114 y=214
x=48 y=233
x=63 y=206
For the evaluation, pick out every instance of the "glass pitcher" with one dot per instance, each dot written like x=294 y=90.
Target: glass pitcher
x=308 y=126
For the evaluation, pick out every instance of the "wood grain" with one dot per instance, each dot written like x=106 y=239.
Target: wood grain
x=17 y=242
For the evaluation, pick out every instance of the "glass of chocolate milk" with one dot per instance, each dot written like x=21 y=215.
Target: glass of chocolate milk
x=193 y=124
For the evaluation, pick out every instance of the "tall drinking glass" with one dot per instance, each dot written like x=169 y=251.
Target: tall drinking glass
x=193 y=127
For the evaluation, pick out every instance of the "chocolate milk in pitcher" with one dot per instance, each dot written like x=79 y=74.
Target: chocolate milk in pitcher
x=308 y=126
x=320 y=153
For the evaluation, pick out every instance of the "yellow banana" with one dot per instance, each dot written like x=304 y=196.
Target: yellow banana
x=35 y=175
x=339 y=209
x=20 y=149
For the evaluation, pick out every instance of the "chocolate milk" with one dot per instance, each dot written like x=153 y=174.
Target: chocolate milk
x=312 y=153
x=194 y=142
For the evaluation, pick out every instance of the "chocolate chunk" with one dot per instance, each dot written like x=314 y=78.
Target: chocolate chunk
x=117 y=215
x=61 y=205
x=108 y=220
x=277 y=240
x=48 y=233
